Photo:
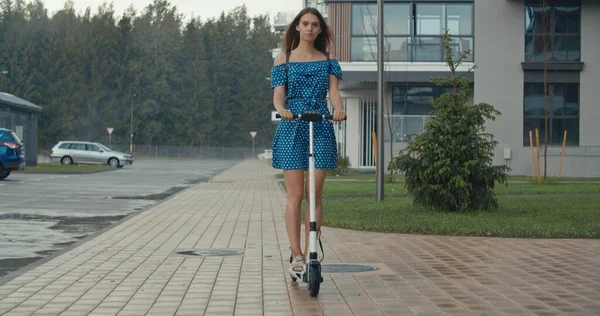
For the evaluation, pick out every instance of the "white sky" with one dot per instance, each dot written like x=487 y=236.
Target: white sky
x=203 y=8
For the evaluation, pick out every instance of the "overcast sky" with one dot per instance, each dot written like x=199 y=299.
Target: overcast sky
x=202 y=8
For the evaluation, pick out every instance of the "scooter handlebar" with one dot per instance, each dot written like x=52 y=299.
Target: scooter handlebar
x=311 y=116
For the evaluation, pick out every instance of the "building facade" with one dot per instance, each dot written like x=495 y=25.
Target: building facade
x=21 y=116
x=505 y=37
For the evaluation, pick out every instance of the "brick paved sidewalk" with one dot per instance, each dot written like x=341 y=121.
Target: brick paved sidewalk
x=134 y=268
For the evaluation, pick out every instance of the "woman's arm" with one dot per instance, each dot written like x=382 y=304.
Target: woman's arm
x=279 y=91
x=334 y=93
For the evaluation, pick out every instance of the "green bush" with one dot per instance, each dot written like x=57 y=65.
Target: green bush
x=342 y=167
x=449 y=165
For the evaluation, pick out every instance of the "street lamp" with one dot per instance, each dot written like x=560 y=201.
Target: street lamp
x=131 y=126
x=380 y=100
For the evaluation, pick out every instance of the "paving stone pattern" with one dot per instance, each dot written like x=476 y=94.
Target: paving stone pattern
x=134 y=268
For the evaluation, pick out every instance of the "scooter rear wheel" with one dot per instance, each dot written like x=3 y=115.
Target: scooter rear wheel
x=314 y=278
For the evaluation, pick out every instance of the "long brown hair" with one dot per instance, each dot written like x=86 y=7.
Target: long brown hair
x=291 y=39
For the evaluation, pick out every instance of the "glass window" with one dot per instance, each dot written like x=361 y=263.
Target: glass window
x=396 y=19
x=364 y=19
x=397 y=48
x=459 y=19
x=461 y=44
x=427 y=49
x=6 y=137
x=92 y=147
x=363 y=49
x=414 y=100
x=430 y=19
x=560 y=23
x=567 y=19
x=534 y=99
x=78 y=146
x=563 y=106
x=104 y=147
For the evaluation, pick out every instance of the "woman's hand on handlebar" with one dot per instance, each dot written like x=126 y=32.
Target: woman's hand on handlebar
x=286 y=114
x=339 y=115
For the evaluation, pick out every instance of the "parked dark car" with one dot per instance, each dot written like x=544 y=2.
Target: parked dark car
x=11 y=153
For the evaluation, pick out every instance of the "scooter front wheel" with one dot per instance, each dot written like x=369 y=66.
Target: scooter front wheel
x=314 y=278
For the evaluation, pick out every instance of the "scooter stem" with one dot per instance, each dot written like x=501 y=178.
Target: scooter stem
x=312 y=242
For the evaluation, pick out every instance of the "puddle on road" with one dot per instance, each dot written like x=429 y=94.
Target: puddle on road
x=198 y=180
x=26 y=238
x=68 y=225
x=9 y=265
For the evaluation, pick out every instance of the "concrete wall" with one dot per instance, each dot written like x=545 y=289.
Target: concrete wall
x=590 y=76
x=499 y=76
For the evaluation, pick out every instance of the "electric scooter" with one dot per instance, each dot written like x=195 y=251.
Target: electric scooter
x=312 y=268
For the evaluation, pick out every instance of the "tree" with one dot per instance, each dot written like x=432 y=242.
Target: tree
x=449 y=165
x=196 y=83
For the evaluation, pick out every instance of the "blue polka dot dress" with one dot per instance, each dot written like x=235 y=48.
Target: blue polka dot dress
x=308 y=85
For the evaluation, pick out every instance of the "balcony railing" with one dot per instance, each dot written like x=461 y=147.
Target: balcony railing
x=409 y=48
x=403 y=126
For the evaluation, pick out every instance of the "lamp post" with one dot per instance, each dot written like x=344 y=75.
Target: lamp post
x=253 y=134
x=131 y=126
x=380 y=101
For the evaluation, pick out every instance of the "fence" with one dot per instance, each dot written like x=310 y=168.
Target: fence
x=194 y=152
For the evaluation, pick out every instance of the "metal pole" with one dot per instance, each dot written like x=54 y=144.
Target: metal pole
x=380 y=101
x=131 y=126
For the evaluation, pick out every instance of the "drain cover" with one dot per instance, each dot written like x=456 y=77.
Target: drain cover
x=208 y=253
x=346 y=268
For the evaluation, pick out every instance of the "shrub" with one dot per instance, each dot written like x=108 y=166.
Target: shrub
x=449 y=165
x=342 y=167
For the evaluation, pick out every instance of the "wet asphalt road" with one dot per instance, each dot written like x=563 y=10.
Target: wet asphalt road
x=43 y=213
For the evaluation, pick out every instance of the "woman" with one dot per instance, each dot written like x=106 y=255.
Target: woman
x=301 y=77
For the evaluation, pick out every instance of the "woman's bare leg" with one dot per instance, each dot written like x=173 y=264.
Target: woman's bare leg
x=294 y=182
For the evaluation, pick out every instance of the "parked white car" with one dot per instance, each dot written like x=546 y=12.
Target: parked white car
x=80 y=152
x=268 y=154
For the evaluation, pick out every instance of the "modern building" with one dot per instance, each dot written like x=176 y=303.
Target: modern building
x=21 y=116
x=505 y=37
x=319 y=5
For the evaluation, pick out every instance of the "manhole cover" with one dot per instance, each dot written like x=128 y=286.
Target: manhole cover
x=207 y=253
x=346 y=268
